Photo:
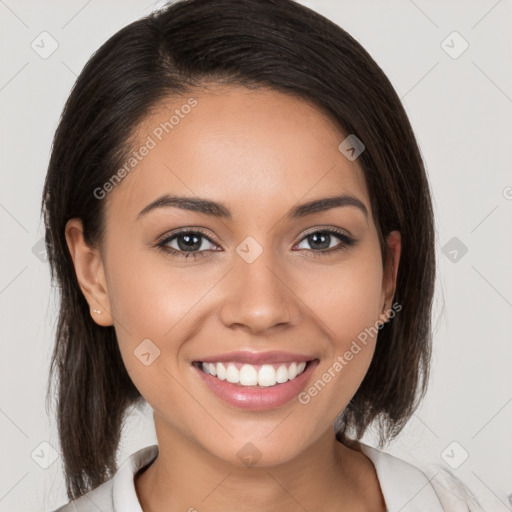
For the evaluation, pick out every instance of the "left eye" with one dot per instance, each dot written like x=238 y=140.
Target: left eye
x=321 y=240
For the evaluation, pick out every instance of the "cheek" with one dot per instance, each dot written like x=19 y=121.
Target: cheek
x=149 y=296
x=155 y=306
x=354 y=304
x=345 y=297
x=346 y=301
x=150 y=310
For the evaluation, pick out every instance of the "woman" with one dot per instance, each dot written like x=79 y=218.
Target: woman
x=240 y=223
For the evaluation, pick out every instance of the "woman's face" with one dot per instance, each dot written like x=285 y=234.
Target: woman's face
x=262 y=275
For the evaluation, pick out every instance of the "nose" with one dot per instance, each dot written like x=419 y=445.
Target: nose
x=257 y=297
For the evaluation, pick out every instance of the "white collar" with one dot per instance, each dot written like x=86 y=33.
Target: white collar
x=405 y=488
x=123 y=491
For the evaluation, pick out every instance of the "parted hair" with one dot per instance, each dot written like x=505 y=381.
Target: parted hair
x=275 y=44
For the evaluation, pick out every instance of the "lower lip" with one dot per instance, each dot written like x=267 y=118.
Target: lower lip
x=257 y=398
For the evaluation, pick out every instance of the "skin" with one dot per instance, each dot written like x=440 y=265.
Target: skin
x=260 y=153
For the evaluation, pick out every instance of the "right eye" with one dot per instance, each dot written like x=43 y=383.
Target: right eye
x=188 y=243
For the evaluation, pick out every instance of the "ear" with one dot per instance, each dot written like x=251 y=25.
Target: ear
x=394 y=249
x=89 y=272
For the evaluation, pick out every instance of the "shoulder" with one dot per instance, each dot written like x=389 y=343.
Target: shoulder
x=99 y=498
x=117 y=494
x=407 y=488
x=452 y=492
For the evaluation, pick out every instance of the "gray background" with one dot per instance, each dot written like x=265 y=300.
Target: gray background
x=460 y=109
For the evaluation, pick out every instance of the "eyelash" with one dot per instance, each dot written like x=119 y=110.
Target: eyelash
x=346 y=242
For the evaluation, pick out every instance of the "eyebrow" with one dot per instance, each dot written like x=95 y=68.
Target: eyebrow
x=219 y=210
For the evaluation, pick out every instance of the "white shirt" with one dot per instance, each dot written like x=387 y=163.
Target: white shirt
x=405 y=487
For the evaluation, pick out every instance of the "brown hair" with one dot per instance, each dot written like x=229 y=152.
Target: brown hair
x=277 y=44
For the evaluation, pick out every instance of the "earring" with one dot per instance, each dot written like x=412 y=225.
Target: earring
x=97 y=311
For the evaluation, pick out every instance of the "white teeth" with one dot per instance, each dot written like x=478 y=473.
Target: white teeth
x=282 y=374
x=232 y=374
x=249 y=375
x=267 y=376
x=221 y=371
x=292 y=371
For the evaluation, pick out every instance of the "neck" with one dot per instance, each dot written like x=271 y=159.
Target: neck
x=327 y=476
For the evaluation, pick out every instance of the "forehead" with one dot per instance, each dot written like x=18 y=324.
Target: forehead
x=255 y=150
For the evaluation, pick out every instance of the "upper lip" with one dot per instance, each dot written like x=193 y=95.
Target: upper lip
x=258 y=357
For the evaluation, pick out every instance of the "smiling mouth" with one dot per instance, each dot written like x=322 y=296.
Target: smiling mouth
x=256 y=376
